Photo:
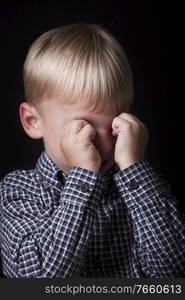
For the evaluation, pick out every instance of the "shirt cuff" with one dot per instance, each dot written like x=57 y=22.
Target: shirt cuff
x=83 y=187
x=140 y=181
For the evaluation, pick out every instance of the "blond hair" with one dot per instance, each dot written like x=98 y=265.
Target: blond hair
x=78 y=63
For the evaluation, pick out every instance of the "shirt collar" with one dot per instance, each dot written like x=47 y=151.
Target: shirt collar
x=52 y=175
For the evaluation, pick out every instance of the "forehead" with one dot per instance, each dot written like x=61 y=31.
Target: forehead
x=55 y=110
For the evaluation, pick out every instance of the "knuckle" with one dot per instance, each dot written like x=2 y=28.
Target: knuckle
x=137 y=125
x=87 y=125
x=90 y=129
x=122 y=115
x=128 y=125
x=116 y=121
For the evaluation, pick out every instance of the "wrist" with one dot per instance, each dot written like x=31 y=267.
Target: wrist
x=90 y=168
x=124 y=165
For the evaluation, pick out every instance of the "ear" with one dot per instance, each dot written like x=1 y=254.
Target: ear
x=30 y=120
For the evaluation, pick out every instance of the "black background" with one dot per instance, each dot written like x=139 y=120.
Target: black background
x=150 y=34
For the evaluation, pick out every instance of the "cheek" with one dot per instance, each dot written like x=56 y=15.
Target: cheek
x=53 y=130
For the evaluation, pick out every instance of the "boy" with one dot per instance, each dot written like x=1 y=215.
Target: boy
x=93 y=206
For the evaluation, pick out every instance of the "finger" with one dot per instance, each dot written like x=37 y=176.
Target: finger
x=88 y=132
x=129 y=117
x=118 y=122
x=75 y=126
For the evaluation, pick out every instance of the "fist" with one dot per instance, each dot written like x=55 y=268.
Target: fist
x=132 y=138
x=77 y=145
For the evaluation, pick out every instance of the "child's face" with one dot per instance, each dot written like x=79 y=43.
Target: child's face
x=53 y=116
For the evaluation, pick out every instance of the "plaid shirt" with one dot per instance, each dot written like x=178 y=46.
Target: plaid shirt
x=124 y=224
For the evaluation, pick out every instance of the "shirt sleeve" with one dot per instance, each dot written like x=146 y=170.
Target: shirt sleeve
x=158 y=224
x=41 y=243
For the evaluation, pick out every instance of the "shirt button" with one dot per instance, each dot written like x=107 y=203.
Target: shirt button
x=84 y=187
x=60 y=177
x=133 y=185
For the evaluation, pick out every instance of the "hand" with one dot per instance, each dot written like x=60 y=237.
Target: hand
x=132 y=138
x=77 y=145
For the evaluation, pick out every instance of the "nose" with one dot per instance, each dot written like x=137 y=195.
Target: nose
x=105 y=144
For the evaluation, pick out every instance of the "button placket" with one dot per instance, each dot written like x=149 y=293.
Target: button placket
x=133 y=185
x=84 y=187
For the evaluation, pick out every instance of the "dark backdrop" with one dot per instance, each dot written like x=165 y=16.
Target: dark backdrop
x=150 y=35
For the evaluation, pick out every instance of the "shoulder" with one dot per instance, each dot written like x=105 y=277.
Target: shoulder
x=20 y=194
x=18 y=181
x=19 y=199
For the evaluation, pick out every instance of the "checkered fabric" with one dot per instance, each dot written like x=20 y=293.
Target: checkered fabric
x=123 y=224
